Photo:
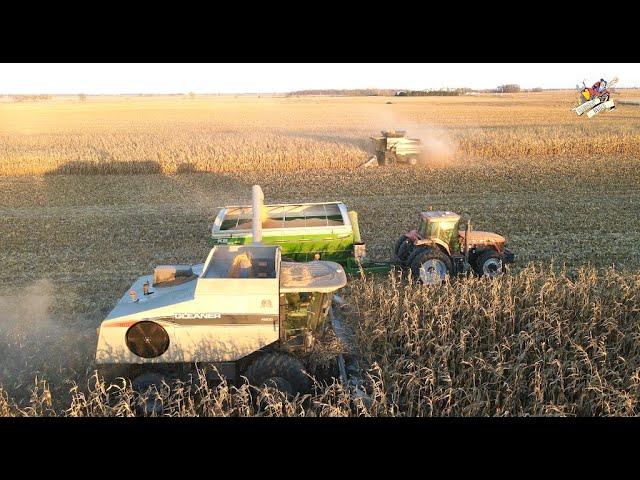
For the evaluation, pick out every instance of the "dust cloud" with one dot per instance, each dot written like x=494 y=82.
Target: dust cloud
x=440 y=147
x=33 y=343
x=25 y=315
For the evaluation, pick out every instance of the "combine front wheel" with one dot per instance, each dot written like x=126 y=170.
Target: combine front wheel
x=278 y=370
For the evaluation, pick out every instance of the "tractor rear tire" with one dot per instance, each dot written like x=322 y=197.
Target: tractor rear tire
x=403 y=250
x=430 y=266
x=278 y=370
x=489 y=264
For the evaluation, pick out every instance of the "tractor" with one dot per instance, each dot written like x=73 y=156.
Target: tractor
x=394 y=147
x=438 y=248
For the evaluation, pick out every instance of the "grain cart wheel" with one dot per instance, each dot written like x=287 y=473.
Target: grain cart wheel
x=489 y=264
x=278 y=370
x=430 y=266
x=403 y=249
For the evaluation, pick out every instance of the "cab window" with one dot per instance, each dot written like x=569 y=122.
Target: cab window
x=303 y=311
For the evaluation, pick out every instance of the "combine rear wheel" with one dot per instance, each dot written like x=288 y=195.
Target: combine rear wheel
x=430 y=266
x=281 y=371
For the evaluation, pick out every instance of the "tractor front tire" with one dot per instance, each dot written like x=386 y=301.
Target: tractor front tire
x=430 y=266
x=278 y=370
x=403 y=250
x=489 y=264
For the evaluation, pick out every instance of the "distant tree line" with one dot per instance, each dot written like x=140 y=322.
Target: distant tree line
x=447 y=92
x=380 y=92
x=29 y=98
x=360 y=92
x=443 y=92
x=509 y=88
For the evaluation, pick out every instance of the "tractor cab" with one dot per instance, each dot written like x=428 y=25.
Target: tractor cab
x=441 y=227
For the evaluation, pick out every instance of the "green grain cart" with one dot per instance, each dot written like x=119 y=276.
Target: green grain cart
x=304 y=231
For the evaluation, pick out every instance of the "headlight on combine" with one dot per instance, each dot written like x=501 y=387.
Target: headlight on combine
x=147 y=339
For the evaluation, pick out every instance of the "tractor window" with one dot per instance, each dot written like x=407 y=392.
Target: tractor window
x=422 y=231
x=446 y=231
x=303 y=311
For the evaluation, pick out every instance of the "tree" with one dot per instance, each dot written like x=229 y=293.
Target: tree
x=82 y=97
x=509 y=88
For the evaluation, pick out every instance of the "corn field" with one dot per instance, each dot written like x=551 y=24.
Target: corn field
x=226 y=134
x=94 y=194
x=540 y=342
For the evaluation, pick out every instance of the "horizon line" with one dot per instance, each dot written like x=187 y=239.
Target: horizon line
x=484 y=90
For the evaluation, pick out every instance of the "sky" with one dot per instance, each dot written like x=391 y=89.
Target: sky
x=114 y=78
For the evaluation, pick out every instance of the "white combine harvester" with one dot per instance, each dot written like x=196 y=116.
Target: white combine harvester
x=393 y=146
x=244 y=311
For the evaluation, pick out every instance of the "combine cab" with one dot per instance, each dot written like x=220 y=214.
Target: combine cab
x=394 y=147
